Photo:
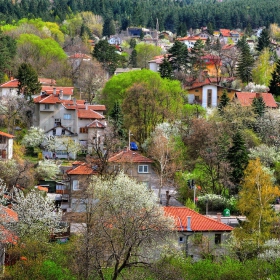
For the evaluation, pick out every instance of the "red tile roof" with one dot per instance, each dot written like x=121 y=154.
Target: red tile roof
x=10 y=84
x=191 y=38
x=47 y=81
x=129 y=157
x=66 y=90
x=82 y=169
x=89 y=114
x=47 y=99
x=97 y=107
x=80 y=55
x=198 y=221
x=6 y=134
x=246 y=98
x=225 y=32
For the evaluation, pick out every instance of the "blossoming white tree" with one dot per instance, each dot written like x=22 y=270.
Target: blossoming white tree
x=47 y=170
x=124 y=227
x=34 y=137
x=36 y=215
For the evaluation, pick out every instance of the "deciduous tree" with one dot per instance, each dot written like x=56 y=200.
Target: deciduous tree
x=256 y=195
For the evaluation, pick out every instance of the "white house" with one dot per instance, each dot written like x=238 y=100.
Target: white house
x=6 y=145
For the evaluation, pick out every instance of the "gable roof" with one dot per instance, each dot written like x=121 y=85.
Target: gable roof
x=47 y=99
x=51 y=89
x=10 y=84
x=129 y=156
x=246 y=98
x=6 y=134
x=198 y=221
x=82 y=169
x=96 y=124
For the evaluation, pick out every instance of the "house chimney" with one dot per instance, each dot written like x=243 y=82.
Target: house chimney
x=219 y=217
x=189 y=219
x=54 y=91
x=86 y=104
x=61 y=94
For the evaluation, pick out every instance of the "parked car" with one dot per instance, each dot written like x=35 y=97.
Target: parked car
x=133 y=146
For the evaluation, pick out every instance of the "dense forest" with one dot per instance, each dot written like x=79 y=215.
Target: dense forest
x=172 y=15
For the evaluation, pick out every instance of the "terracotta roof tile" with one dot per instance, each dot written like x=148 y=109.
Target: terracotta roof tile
x=66 y=90
x=89 y=114
x=82 y=169
x=225 y=32
x=6 y=134
x=246 y=98
x=97 y=107
x=198 y=221
x=49 y=99
x=10 y=84
x=129 y=156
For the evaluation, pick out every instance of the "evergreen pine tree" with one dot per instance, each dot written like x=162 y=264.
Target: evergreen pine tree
x=133 y=59
x=245 y=61
x=132 y=43
x=178 y=56
x=28 y=83
x=258 y=106
x=165 y=69
x=223 y=101
x=238 y=159
x=263 y=40
x=274 y=85
x=109 y=27
x=117 y=119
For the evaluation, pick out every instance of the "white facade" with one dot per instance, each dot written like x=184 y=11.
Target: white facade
x=209 y=96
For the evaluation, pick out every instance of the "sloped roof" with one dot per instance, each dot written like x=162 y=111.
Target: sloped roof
x=6 y=134
x=191 y=38
x=246 y=98
x=198 y=221
x=66 y=90
x=225 y=32
x=80 y=56
x=96 y=124
x=47 y=99
x=97 y=107
x=10 y=84
x=89 y=114
x=82 y=169
x=129 y=156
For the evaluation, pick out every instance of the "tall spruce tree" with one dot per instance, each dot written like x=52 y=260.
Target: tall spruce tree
x=245 y=61
x=28 y=83
x=165 y=69
x=178 y=56
x=117 y=119
x=133 y=59
x=263 y=40
x=258 y=106
x=223 y=101
x=238 y=159
x=274 y=85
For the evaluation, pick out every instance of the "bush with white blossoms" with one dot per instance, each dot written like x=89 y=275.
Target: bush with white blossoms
x=252 y=87
x=267 y=154
x=34 y=137
x=271 y=250
x=47 y=170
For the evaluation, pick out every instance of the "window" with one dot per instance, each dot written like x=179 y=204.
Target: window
x=218 y=238
x=57 y=122
x=54 y=131
x=75 y=185
x=2 y=139
x=181 y=239
x=83 y=130
x=196 y=98
x=196 y=90
x=47 y=106
x=67 y=116
x=143 y=169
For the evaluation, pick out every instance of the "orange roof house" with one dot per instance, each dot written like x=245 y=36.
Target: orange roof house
x=195 y=231
x=246 y=99
x=133 y=164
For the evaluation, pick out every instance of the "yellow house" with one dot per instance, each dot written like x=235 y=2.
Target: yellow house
x=207 y=94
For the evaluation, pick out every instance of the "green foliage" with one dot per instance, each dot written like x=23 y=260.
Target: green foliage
x=48 y=47
x=238 y=157
x=274 y=85
x=224 y=101
x=107 y=56
x=165 y=69
x=263 y=40
x=259 y=106
x=245 y=61
x=52 y=271
x=146 y=52
x=7 y=53
x=191 y=204
x=133 y=59
x=28 y=83
x=117 y=119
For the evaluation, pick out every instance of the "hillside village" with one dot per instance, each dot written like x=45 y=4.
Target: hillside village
x=139 y=154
